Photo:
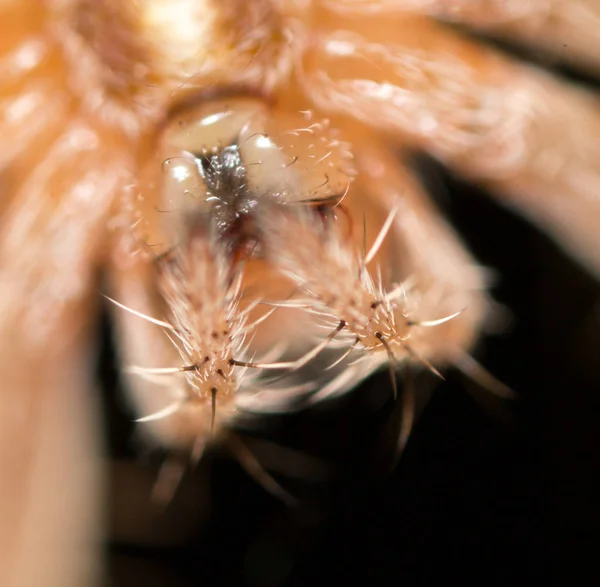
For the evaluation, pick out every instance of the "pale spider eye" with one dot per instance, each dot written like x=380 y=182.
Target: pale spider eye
x=220 y=159
x=216 y=194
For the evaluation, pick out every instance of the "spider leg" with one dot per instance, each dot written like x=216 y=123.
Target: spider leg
x=527 y=136
x=135 y=287
x=57 y=191
x=569 y=31
x=428 y=258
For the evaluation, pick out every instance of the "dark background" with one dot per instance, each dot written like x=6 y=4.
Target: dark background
x=485 y=494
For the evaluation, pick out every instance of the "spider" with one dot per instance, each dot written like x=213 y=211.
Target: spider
x=86 y=85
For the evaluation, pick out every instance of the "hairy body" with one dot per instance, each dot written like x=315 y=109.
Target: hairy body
x=85 y=86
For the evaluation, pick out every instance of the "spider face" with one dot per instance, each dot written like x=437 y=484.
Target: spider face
x=109 y=160
x=222 y=157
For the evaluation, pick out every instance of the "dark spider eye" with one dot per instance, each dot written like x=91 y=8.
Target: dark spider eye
x=206 y=162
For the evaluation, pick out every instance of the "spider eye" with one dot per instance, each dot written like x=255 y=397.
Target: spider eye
x=290 y=155
x=221 y=159
x=211 y=126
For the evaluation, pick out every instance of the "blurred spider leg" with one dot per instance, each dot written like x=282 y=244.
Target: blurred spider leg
x=53 y=226
x=568 y=30
x=526 y=135
x=429 y=257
